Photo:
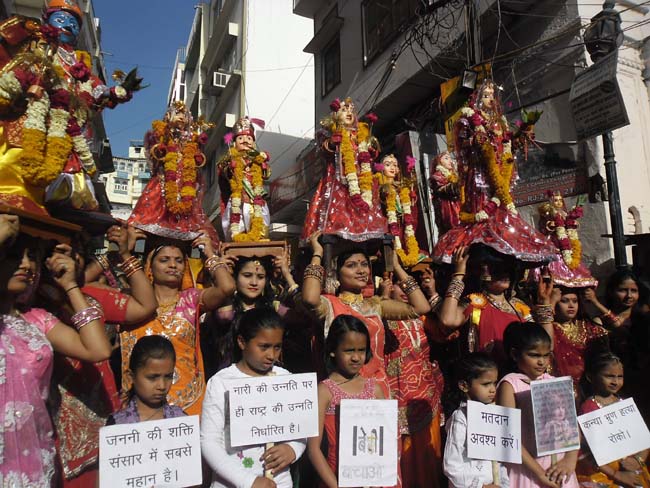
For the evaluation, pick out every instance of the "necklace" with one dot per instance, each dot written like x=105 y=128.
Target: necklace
x=347 y=381
x=352 y=299
x=575 y=331
x=166 y=307
x=504 y=306
x=158 y=410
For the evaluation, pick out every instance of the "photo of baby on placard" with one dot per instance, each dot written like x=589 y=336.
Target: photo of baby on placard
x=555 y=419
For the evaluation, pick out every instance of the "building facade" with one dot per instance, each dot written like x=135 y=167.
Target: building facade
x=124 y=185
x=244 y=57
x=393 y=57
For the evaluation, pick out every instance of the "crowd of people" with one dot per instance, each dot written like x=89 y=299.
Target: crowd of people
x=411 y=339
x=95 y=335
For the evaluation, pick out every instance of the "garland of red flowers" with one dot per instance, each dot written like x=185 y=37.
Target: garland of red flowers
x=566 y=233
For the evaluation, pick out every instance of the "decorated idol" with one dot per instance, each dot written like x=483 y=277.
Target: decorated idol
x=562 y=226
x=242 y=174
x=444 y=184
x=346 y=203
x=485 y=146
x=47 y=96
x=400 y=206
x=171 y=203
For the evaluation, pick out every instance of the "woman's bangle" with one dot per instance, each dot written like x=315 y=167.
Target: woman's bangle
x=455 y=288
x=543 y=314
x=457 y=274
x=102 y=260
x=314 y=271
x=434 y=301
x=293 y=288
x=319 y=256
x=213 y=263
x=72 y=288
x=130 y=266
x=85 y=316
x=409 y=285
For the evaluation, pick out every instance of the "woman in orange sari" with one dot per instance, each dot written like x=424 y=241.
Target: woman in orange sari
x=179 y=306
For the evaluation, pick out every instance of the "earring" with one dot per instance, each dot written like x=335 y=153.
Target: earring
x=332 y=354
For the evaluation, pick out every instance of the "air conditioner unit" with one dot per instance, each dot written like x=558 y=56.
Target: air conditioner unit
x=220 y=80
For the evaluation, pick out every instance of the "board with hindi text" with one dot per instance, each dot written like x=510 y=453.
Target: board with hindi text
x=154 y=453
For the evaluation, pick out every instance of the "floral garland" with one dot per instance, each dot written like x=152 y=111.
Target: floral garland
x=258 y=165
x=566 y=232
x=52 y=127
x=179 y=176
x=411 y=255
x=450 y=176
x=499 y=172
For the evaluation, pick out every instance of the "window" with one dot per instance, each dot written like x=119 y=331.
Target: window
x=330 y=66
x=121 y=166
x=382 y=21
x=121 y=186
x=129 y=167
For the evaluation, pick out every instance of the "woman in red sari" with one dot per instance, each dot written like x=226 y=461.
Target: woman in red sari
x=85 y=393
x=493 y=307
x=417 y=383
x=353 y=272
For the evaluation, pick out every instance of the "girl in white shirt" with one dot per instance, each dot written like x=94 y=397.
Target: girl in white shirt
x=476 y=376
x=259 y=343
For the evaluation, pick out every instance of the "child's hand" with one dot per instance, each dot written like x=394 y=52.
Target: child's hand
x=278 y=457
x=628 y=478
x=559 y=473
x=544 y=480
x=261 y=482
x=630 y=464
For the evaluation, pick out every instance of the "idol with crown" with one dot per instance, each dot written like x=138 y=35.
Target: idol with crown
x=48 y=94
x=242 y=173
x=485 y=147
x=171 y=205
x=346 y=203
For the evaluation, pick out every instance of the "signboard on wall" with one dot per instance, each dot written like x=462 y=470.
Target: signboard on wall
x=596 y=99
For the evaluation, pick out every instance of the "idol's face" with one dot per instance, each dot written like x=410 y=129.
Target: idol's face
x=67 y=24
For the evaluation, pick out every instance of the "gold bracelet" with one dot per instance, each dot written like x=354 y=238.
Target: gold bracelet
x=409 y=285
x=314 y=271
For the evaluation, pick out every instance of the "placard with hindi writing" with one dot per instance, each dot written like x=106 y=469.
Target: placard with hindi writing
x=272 y=408
x=368 y=443
x=615 y=431
x=154 y=453
x=493 y=433
x=555 y=418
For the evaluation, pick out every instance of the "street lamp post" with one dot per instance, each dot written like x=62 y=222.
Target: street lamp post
x=602 y=37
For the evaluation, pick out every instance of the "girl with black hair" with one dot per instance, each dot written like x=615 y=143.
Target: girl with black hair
x=529 y=350
x=604 y=374
x=353 y=273
x=347 y=350
x=253 y=289
x=258 y=345
x=476 y=379
x=151 y=368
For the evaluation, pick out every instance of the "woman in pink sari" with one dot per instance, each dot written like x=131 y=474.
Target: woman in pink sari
x=28 y=337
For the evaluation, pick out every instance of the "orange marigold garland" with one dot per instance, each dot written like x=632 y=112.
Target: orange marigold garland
x=258 y=229
x=411 y=255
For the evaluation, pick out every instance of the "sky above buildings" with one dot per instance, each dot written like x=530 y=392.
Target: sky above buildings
x=145 y=34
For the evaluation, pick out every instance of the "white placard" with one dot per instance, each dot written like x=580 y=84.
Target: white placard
x=555 y=418
x=154 y=453
x=272 y=408
x=615 y=431
x=493 y=433
x=368 y=443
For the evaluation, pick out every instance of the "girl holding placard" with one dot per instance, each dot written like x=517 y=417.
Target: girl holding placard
x=476 y=379
x=605 y=377
x=347 y=349
x=529 y=347
x=258 y=345
x=151 y=368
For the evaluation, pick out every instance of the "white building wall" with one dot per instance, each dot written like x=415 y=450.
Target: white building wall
x=278 y=75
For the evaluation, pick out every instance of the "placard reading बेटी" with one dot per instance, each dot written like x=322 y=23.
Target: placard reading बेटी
x=154 y=453
x=272 y=408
